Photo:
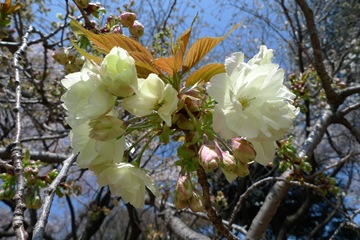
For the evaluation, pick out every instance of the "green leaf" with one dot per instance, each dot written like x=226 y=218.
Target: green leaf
x=200 y=48
x=205 y=73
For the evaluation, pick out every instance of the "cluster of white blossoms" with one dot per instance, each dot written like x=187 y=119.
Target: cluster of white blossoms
x=253 y=108
x=98 y=133
x=252 y=102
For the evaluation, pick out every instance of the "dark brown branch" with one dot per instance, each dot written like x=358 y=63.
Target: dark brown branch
x=292 y=219
x=93 y=224
x=349 y=91
x=6 y=166
x=134 y=222
x=259 y=183
x=213 y=216
x=15 y=147
x=48 y=199
x=351 y=127
x=72 y=214
x=331 y=95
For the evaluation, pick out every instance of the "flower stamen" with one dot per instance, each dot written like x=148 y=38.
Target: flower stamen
x=245 y=102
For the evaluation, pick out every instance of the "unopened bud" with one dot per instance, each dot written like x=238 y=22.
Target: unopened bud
x=71 y=54
x=228 y=161
x=106 y=128
x=79 y=61
x=184 y=187
x=196 y=203
x=137 y=29
x=36 y=202
x=184 y=123
x=193 y=99
x=127 y=19
x=70 y=68
x=117 y=29
x=179 y=204
x=243 y=150
x=210 y=156
x=242 y=169
x=91 y=8
x=53 y=174
x=59 y=55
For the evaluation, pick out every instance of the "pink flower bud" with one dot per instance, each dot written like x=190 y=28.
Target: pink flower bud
x=184 y=188
x=117 y=29
x=196 y=203
x=243 y=150
x=228 y=161
x=137 y=29
x=210 y=156
x=127 y=19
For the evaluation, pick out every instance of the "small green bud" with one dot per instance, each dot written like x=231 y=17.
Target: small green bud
x=53 y=174
x=36 y=202
x=196 y=202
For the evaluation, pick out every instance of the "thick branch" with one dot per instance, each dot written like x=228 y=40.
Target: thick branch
x=15 y=147
x=179 y=228
x=43 y=156
x=48 y=199
x=279 y=190
x=319 y=64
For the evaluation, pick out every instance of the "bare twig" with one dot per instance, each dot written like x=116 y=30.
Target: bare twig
x=48 y=199
x=6 y=166
x=15 y=149
x=351 y=127
x=72 y=214
x=259 y=183
x=349 y=109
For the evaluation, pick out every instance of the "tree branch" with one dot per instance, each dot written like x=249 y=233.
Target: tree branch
x=279 y=190
x=48 y=199
x=72 y=214
x=43 y=156
x=331 y=95
x=179 y=228
x=15 y=147
x=213 y=216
